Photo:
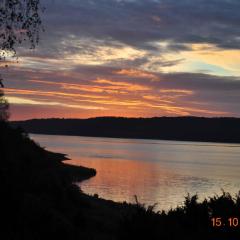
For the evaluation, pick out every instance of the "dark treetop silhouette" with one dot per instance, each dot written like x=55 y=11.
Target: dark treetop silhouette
x=19 y=22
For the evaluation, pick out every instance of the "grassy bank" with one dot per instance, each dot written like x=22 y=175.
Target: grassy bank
x=39 y=201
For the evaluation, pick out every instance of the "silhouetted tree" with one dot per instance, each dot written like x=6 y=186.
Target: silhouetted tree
x=4 y=106
x=19 y=22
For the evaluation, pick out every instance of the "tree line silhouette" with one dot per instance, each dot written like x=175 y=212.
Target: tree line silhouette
x=166 y=128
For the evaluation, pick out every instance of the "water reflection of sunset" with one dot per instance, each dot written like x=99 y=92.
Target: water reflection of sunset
x=132 y=177
x=156 y=171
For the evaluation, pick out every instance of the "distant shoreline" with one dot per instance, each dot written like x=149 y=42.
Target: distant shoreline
x=156 y=139
x=189 y=129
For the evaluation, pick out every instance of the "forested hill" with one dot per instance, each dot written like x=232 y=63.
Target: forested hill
x=167 y=128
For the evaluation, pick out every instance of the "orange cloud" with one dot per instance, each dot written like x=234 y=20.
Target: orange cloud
x=183 y=91
x=187 y=110
x=18 y=100
x=103 y=95
x=115 y=87
x=136 y=73
x=50 y=93
x=157 y=98
x=71 y=86
x=123 y=85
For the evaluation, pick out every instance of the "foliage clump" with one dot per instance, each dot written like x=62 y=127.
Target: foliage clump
x=20 y=22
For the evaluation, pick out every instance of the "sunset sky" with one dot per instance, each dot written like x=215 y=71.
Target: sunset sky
x=134 y=58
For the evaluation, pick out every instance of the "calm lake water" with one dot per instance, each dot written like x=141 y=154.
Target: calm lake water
x=156 y=171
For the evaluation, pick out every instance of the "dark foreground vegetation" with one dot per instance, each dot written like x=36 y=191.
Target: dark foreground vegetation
x=39 y=201
x=167 y=128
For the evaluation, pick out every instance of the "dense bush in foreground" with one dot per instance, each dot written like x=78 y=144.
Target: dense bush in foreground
x=38 y=201
x=194 y=220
